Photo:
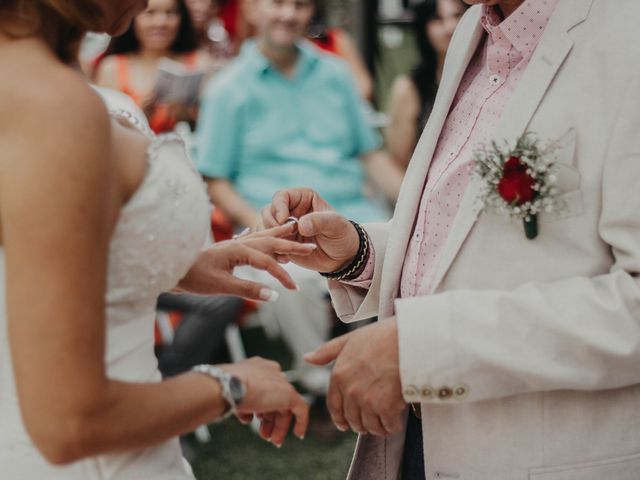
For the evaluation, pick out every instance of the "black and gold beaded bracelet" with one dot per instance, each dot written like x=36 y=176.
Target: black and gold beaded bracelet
x=354 y=268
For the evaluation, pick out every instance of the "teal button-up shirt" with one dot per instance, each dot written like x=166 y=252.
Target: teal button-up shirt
x=264 y=131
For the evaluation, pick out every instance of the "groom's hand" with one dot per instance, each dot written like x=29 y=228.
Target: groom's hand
x=365 y=392
x=336 y=238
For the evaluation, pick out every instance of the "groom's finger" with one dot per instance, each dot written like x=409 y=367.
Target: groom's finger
x=334 y=405
x=372 y=423
x=328 y=352
x=352 y=414
x=329 y=223
x=392 y=423
x=285 y=203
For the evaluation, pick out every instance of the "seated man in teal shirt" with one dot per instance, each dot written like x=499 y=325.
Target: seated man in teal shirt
x=284 y=114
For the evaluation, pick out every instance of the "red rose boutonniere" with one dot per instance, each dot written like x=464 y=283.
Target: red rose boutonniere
x=518 y=181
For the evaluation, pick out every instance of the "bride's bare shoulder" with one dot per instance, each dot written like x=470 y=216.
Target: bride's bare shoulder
x=41 y=94
x=55 y=139
x=48 y=112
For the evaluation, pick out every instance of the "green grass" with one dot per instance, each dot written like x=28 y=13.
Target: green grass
x=237 y=453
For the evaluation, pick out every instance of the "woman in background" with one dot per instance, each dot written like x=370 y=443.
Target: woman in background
x=130 y=64
x=413 y=94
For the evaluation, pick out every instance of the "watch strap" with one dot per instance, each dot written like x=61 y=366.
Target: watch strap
x=224 y=379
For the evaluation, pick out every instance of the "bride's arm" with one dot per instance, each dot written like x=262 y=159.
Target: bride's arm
x=58 y=204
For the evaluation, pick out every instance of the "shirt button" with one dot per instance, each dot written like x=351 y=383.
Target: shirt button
x=495 y=79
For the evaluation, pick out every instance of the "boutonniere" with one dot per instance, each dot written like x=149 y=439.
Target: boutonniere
x=520 y=181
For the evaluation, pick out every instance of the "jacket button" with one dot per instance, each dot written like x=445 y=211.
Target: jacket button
x=445 y=393
x=460 y=391
x=427 y=392
x=410 y=391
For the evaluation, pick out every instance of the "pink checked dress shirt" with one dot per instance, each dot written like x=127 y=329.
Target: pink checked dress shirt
x=489 y=82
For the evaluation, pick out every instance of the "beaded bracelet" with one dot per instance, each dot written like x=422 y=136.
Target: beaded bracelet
x=353 y=269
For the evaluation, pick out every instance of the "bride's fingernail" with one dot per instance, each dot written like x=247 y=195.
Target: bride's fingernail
x=269 y=295
x=312 y=246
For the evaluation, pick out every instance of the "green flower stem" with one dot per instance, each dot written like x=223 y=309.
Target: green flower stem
x=531 y=227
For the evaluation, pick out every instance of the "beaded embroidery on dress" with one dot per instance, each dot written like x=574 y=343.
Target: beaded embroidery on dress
x=159 y=234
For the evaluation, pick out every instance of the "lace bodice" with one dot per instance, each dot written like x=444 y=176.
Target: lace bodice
x=159 y=234
x=161 y=229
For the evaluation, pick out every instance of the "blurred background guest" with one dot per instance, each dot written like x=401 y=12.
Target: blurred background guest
x=413 y=94
x=285 y=114
x=131 y=62
x=337 y=41
x=210 y=30
x=238 y=19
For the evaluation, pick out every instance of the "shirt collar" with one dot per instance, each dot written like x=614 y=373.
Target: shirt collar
x=524 y=27
x=308 y=57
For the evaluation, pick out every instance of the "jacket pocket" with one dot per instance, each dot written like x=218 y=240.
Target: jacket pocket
x=618 y=468
x=570 y=204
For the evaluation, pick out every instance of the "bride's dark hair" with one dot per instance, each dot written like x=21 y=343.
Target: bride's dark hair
x=61 y=23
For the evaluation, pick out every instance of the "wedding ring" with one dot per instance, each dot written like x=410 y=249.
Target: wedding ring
x=291 y=220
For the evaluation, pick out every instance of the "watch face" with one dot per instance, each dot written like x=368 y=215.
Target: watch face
x=237 y=390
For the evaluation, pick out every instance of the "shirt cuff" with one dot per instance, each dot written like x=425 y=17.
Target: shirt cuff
x=365 y=278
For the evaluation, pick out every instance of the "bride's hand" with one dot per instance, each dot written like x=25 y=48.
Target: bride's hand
x=213 y=271
x=271 y=397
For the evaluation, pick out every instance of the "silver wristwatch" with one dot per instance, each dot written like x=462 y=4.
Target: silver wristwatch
x=233 y=390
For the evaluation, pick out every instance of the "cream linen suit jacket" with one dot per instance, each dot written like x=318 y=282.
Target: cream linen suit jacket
x=526 y=357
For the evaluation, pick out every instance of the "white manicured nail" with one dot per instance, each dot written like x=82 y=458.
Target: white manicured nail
x=269 y=295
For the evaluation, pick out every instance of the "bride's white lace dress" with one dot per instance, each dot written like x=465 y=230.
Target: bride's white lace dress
x=159 y=234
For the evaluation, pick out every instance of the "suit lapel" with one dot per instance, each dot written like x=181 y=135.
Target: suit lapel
x=549 y=56
x=459 y=56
